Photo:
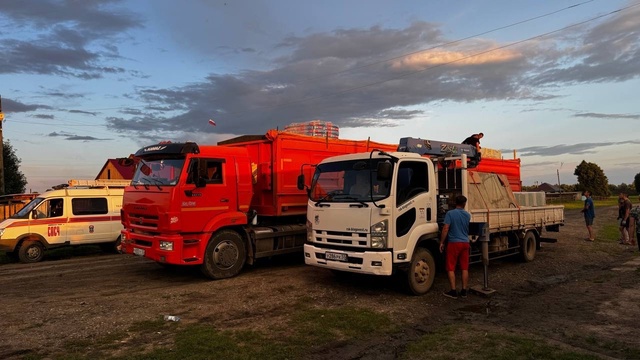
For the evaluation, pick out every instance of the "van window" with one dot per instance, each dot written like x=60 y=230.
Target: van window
x=50 y=208
x=89 y=206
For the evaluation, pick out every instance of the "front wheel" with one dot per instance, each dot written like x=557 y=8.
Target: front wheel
x=421 y=272
x=225 y=255
x=528 y=247
x=31 y=252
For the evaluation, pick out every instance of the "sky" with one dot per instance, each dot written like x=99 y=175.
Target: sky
x=556 y=82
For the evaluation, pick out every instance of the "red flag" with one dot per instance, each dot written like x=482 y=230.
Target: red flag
x=211 y=122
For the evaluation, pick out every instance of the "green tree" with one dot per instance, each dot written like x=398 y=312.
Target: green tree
x=14 y=181
x=592 y=178
x=636 y=182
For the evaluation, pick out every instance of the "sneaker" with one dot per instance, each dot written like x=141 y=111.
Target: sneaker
x=463 y=293
x=451 y=294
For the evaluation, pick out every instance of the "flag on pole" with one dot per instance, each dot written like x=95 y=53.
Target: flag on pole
x=211 y=122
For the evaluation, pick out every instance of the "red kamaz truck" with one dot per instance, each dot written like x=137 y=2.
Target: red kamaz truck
x=219 y=207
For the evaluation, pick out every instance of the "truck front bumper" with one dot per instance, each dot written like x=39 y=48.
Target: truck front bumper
x=183 y=252
x=363 y=262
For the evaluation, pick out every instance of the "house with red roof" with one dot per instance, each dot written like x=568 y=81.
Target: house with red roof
x=112 y=169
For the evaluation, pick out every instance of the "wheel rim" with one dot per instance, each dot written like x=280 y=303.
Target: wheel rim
x=33 y=252
x=225 y=254
x=421 y=272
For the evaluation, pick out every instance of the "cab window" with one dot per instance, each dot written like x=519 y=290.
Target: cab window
x=50 y=208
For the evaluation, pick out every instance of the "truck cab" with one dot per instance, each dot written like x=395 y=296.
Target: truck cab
x=374 y=232
x=181 y=193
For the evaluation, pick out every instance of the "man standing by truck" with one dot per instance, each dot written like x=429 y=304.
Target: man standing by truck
x=456 y=229
x=589 y=213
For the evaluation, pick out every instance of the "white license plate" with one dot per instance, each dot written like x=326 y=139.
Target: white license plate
x=139 y=252
x=336 y=256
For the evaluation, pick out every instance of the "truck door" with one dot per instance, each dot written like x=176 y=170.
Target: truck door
x=50 y=221
x=413 y=205
x=209 y=192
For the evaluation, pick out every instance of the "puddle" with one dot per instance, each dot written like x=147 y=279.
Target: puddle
x=484 y=309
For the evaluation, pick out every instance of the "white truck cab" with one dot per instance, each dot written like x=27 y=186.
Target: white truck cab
x=82 y=212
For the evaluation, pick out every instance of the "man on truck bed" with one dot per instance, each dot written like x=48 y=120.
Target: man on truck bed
x=474 y=140
x=456 y=228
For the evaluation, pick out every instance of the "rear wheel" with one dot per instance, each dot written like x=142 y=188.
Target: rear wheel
x=421 y=272
x=528 y=247
x=225 y=255
x=31 y=252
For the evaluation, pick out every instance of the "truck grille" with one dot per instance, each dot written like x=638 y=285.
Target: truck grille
x=140 y=221
x=341 y=238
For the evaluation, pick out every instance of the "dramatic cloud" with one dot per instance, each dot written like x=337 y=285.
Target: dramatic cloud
x=372 y=77
x=583 y=148
x=69 y=38
x=83 y=112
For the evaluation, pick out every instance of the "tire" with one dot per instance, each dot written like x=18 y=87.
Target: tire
x=421 y=272
x=112 y=247
x=31 y=252
x=225 y=255
x=528 y=247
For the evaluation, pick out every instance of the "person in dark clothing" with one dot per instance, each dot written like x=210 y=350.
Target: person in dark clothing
x=589 y=213
x=474 y=140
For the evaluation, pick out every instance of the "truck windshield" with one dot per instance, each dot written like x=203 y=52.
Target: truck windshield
x=348 y=181
x=158 y=172
x=24 y=212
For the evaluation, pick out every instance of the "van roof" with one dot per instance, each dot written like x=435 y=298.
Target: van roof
x=83 y=192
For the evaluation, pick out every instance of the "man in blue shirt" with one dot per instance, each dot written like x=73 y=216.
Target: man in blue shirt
x=456 y=229
x=589 y=213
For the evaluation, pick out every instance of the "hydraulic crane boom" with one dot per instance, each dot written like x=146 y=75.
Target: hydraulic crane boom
x=439 y=148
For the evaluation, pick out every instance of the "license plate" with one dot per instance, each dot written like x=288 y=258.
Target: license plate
x=336 y=256
x=139 y=252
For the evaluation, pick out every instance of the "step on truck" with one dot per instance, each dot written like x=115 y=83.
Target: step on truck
x=222 y=206
x=394 y=223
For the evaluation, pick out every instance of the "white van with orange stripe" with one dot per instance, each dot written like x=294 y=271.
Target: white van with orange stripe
x=84 y=212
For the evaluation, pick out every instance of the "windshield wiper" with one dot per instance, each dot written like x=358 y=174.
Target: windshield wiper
x=355 y=199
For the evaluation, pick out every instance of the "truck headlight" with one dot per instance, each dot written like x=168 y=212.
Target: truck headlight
x=379 y=234
x=166 y=245
x=309 y=231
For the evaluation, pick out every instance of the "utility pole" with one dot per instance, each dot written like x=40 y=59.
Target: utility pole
x=1 y=150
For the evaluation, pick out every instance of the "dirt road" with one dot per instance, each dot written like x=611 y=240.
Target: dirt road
x=573 y=292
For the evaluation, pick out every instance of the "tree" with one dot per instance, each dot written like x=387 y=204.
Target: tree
x=636 y=182
x=14 y=181
x=592 y=178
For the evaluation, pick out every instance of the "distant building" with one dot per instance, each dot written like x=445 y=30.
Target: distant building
x=113 y=170
x=314 y=128
x=548 y=188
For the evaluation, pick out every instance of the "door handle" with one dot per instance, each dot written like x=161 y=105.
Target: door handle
x=224 y=200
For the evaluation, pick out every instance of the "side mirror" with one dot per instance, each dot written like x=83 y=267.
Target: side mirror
x=125 y=162
x=384 y=171
x=34 y=214
x=301 y=182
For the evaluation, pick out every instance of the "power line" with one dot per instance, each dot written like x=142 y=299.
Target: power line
x=439 y=65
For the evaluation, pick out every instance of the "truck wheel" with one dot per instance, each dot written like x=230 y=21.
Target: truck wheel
x=225 y=255
x=528 y=247
x=422 y=272
x=31 y=252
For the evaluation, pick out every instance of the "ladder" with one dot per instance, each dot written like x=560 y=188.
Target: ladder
x=119 y=183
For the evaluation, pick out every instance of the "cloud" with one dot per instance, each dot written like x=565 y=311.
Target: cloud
x=10 y=106
x=581 y=148
x=73 y=137
x=608 y=116
x=44 y=116
x=68 y=38
x=359 y=77
x=83 y=112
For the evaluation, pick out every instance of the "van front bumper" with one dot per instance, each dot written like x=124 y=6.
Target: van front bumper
x=8 y=245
